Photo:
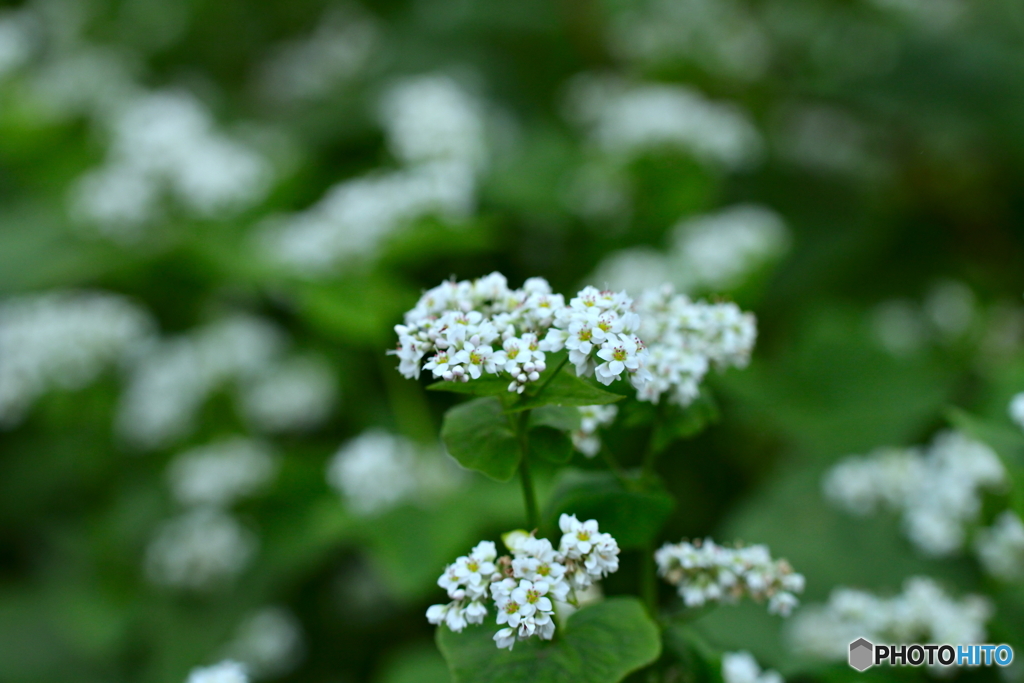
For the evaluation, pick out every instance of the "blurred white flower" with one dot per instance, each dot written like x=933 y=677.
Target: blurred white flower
x=170 y=379
x=625 y=121
x=307 y=68
x=950 y=307
x=225 y=672
x=718 y=250
x=715 y=251
x=923 y=613
x=294 y=395
x=220 y=473
x=721 y=36
x=825 y=139
x=199 y=550
x=585 y=439
x=938 y=492
x=899 y=327
x=741 y=667
x=1000 y=548
x=377 y=471
x=704 y=572
x=356 y=216
x=1016 y=409
x=167 y=142
x=18 y=38
x=61 y=339
x=431 y=118
x=269 y=642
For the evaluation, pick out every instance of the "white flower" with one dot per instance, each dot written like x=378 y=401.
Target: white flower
x=585 y=439
x=199 y=550
x=593 y=554
x=741 y=667
x=224 y=672
x=685 y=339
x=268 y=642
x=1000 y=548
x=1016 y=409
x=938 y=492
x=220 y=473
x=923 y=613
x=706 y=572
x=377 y=471
x=62 y=339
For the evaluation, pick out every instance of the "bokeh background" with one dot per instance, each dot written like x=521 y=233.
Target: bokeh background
x=212 y=213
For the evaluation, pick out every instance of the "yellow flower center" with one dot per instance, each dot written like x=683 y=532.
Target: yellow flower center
x=583 y=535
x=511 y=607
x=472 y=566
x=619 y=354
x=585 y=334
x=532 y=596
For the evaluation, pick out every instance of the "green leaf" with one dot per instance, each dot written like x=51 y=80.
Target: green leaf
x=634 y=516
x=484 y=386
x=601 y=643
x=564 y=418
x=551 y=444
x=676 y=424
x=693 y=654
x=566 y=389
x=478 y=434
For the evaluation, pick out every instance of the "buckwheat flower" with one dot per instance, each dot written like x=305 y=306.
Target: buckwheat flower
x=592 y=418
x=937 y=492
x=376 y=471
x=590 y=555
x=620 y=353
x=741 y=667
x=922 y=613
x=170 y=380
x=199 y=550
x=625 y=120
x=685 y=339
x=269 y=642
x=62 y=340
x=706 y=572
x=535 y=559
x=18 y=39
x=1000 y=548
x=220 y=473
x=718 y=251
x=225 y=672
x=294 y=395
x=1016 y=409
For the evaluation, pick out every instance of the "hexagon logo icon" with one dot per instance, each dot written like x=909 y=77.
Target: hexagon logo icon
x=861 y=654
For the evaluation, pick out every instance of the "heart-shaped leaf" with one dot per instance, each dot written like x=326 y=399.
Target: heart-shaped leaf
x=601 y=643
x=478 y=434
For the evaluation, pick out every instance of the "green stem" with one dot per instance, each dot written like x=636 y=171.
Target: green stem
x=558 y=369
x=648 y=580
x=529 y=496
x=650 y=453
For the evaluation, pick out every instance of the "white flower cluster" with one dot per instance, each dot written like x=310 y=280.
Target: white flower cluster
x=715 y=251
x=170 y=379
x=220 y=473
x=721 y=36
x=227 y=671
x=741 y=667
x=376 y=471
x=166 y=142
x=706 y=572
x=626 y=120
x=18 y=38
x=938 y=492
x=1000 y=548
x=309 y=67
x=904 y=326
x=585 y=439
x=296 y=394
x=457 y=325
x=436 y=130
x=268 y=642
x=526 y=586
x=686 y=338
x=199 y=550
x=923 y=613
x=1016 y=409
x=61 y=339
